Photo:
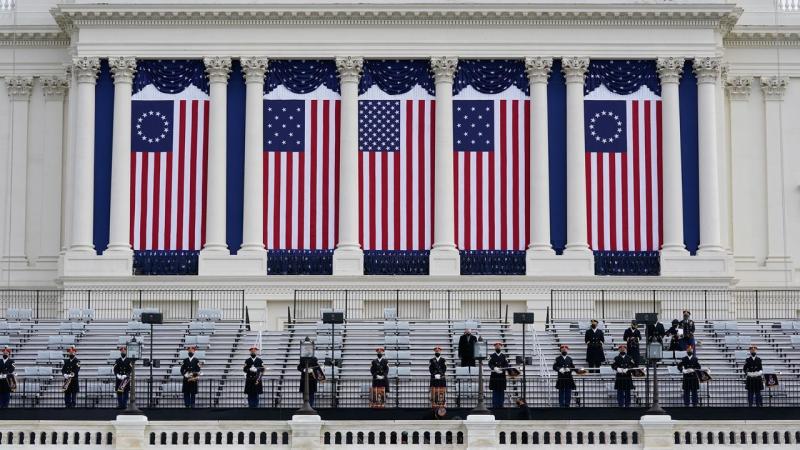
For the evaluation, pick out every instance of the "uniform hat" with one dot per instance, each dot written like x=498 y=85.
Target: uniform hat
x=72 y=349
x=7 y=349
x=675 y=321
x=686 y=311
x=498 y=343
x=191 y=347
x=690 y=347
x=594 y=321
x=123 y=348
x=437 y=349
x=254 y=347
x=753 y=347
x=621 y=346
x=564 y=346
x=379 y=350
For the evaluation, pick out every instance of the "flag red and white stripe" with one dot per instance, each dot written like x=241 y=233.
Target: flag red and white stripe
x=492 y=188
x=168 y=189
x=624 y=190
x=301 y=187
x=396 y=187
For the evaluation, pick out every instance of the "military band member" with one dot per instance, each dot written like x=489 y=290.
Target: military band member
x=122 y=371
x=564 y=383
x=689 y=365
x=253 y=371
x=632 y=336
x=498 y=362
x=6 y=377
x=623 y=382
x=306 y=368
x=754 y=381
x=687 y=325
x=672 y=333
x=437 y=366
x=594 y=338
x=656 y=332
x=190 y=369
x=380 y=370
x=466 y=350
x=70 y=370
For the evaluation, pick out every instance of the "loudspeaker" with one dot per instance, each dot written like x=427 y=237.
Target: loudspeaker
x=333 y=317
x=646 y=318
x=155 y=318
x=523 y=317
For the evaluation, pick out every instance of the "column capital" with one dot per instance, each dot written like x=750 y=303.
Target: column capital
x=86 y=68
x=538 y=69
x=254 y=68
x=123 y=68
x=575 y=68
x=55 y=87
x=669 y=69
x=19 y=88
x=774 y=87
x=349 y=68
x=444 y=68
x=739 y=87
x=218 y=68
x=707 y=69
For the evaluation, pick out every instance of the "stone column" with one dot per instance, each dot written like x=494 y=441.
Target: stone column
x=68 y=161
x=743 y=152
x=707 y=70
x=538 y=70
x=778 y=257
x=670 y=70
x=218 y=69
x=119 y=239
x=254 y=69
x=16 y=183
x=54 y=90
x=577 y=237
x=348 y=258
x=86 y=69
x=444 y=259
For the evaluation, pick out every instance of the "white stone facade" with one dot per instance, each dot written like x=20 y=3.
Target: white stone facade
x=746 y=56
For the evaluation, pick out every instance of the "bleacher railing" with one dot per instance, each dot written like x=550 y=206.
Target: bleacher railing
x=55 y=304
x=703 y=304
x=591 y=391
x=408 y=304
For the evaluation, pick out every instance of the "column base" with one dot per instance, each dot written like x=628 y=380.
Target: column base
x=306 y=431
x=572 y=263
x=708 y=265
x=348 y=261
x=78 y=263
x=444 y=261
x=481 y=432
x=776 y=270
x=222 y=263
x=657 y=431
x=129 y=432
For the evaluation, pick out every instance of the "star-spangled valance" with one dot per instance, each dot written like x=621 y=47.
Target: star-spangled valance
x=490 y=76
x=301 y=76
x=170 y=76
x=396 y=76
x=622 y=77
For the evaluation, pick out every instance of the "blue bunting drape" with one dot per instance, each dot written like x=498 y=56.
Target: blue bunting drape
x=165 y=262
x=627 y=263
x=396 y=77
x=622 y=76
x=170 y=76
x=490 y=76
x=301 y=76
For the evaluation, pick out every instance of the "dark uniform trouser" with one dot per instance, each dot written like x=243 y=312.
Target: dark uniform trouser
x=5 y=399
x=754 y=397
x=252 y=400
x=498 y=397
x=624 y=398
x=188 y=399
x=70 y=399
x=564 y=397
x=122 y=399
x=687 y=393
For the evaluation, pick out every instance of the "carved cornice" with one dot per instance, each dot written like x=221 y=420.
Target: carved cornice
x=55 y=87
x=739 y=88
x=538 y=69
x=19 y=88
x=86 y=68
x=24 y=36
x=670 y=69
x=764 y=36
x=774 y=87
x=123 y=68
x=444 y=68
x=218 y=68
x=721 y=17
x=575 y=68
x=254 y=68
x=707 y=69
x=349 y=68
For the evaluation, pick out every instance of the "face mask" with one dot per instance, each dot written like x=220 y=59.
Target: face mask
x=594 y=326
x=122 y=355
x=253 y=354
x=191 y=354
x=437 y=354
x=71 y=356
x=685 y=316
x=622 y=353
x=5 y=356
x=380 y=355
x=689 y=353
x=563 y=353
x=753 y=353
x=634 y=326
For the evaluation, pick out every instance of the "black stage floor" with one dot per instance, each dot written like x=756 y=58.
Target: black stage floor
x=736 y=413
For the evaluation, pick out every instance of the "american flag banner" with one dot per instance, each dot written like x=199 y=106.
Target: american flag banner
x=169 y=154
x=396 y=151
x=624 y=188
x=301 y=154
x=492 y=144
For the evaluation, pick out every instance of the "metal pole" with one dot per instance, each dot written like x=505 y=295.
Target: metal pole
x=150 y=388
x=524 y=367
x=306 y=409
x=333 y=365
x=481 y=408
x=132 y=409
